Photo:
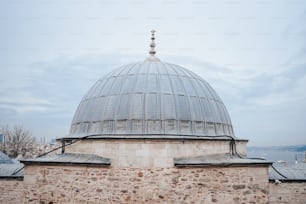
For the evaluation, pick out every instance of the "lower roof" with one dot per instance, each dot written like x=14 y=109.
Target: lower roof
x=11 y=171
x=69 y=159
x=221 y=160
x=288 y=173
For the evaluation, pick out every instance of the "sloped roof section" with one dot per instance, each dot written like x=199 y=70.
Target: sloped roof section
x=222 y=160
x=69 y=159
x=288 y=173
x=4 y=159
x=11 y=171
x=9 y=168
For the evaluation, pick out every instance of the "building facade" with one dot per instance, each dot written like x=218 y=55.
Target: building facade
x=150 y=132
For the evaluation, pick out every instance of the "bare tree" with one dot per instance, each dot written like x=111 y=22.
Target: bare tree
x=17 y=140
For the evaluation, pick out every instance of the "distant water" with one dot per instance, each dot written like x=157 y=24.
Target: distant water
x=276 y=155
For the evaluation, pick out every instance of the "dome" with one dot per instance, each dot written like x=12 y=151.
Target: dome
x=151 y=99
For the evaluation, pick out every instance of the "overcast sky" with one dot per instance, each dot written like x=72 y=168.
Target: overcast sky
x=253 y=53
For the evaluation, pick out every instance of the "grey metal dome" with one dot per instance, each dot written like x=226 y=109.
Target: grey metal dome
x=151 y=99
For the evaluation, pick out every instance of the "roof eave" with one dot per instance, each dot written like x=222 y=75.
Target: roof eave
x=92 y=164
x=153 y=137
x=205 y=165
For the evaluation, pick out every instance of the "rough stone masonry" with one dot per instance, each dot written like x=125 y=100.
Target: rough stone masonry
x=72 y=184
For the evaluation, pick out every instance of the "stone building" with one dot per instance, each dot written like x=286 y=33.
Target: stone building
x=150 y=132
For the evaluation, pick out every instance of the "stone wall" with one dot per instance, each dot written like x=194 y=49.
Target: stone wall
x=151 y=153
x=76 y=184
x=287 y=193
x=11 y=191
x=67 y=184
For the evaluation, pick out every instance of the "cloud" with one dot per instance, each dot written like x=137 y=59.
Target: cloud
x=23 y=103
x=51 y=85
x=290 y=94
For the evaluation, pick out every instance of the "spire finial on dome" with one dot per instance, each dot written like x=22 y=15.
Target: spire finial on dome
x=152 y=52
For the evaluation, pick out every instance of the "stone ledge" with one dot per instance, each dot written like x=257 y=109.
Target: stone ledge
x=223 y=160
x=69 y=159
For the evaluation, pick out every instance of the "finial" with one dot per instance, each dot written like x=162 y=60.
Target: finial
x=152 y=52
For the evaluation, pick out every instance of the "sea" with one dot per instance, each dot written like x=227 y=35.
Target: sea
x=277 y=155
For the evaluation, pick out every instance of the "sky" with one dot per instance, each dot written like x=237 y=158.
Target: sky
x=253 y=53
